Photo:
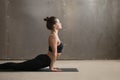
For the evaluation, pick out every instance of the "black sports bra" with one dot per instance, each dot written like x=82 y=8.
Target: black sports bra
x=59 y=48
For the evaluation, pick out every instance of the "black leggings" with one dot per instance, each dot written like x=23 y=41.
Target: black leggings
x=39 y=62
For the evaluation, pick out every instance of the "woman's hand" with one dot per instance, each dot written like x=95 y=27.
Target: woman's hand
x=56 y=69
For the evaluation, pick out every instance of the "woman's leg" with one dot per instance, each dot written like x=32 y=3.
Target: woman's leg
x=8 y=65
x=38 y=62
x=29 y=65
x=33 y=64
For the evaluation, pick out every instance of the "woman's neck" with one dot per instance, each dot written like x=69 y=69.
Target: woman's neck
x=54 y=31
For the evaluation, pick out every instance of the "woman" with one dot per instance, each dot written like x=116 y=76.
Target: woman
x=43 y=60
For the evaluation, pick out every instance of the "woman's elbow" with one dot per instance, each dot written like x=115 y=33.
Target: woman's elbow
x=55 y=54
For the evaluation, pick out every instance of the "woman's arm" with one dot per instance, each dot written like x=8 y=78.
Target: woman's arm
x=53 y=45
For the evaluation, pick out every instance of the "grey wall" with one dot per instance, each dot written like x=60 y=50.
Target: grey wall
x=91 y=28
x=2 y=28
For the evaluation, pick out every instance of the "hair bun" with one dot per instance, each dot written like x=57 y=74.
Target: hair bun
x=46 y=19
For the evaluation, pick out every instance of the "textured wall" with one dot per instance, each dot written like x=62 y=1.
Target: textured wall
x=91 y=28
x=2 y=28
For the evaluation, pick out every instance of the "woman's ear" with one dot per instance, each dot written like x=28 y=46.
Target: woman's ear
x=54 y=26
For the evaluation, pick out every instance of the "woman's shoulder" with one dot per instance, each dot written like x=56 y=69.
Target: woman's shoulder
x=52 y=39
x=52 y=36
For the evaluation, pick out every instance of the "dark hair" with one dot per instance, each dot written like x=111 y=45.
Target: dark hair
x=50 y=22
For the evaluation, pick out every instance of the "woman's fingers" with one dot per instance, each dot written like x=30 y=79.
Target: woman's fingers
x=56 y=70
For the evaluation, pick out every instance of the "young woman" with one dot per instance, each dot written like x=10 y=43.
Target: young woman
x=43 y=60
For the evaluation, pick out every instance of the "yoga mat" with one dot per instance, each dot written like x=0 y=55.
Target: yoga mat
x=43 y=70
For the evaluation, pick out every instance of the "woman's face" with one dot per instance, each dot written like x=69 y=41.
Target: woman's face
x=58 y=24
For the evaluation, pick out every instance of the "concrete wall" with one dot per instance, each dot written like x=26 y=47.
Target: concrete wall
x=2 y=28
x=91 y=28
